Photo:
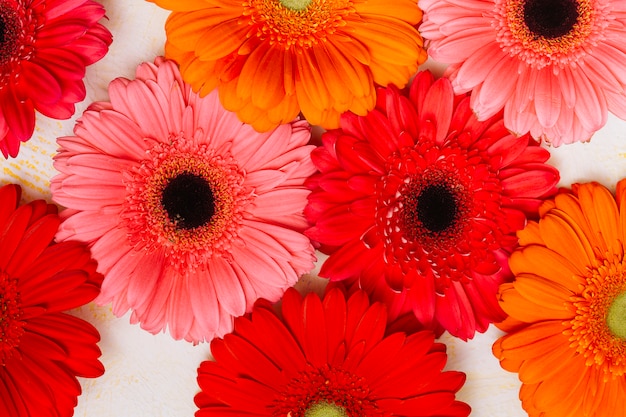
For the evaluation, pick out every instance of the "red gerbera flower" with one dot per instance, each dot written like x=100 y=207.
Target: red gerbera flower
x=329 y=357
x=44 y=48
x=42 y=349
x=422 y=201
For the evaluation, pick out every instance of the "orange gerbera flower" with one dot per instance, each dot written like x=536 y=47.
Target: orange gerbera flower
x=567 y=307
x=272 y=59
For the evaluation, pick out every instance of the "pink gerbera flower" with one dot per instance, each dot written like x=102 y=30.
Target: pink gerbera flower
x=420 y=203
x=191 y=214
x=556 y=66
x=44 y=48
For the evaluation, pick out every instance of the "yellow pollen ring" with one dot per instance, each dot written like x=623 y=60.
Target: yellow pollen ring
x=297 y=5
x=324 y=409
x=616 y=317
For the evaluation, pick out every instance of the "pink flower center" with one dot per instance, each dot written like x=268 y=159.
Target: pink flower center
x=550 y=32
x=550 y=18
x=187 y=200
x=11 y=325
x=325 y=391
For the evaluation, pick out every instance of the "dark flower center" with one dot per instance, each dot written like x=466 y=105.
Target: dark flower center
x=436 y=208
x=188 y=200
x=9 y=33
x=550 y=18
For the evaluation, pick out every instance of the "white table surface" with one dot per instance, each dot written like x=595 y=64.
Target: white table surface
x=154 y=375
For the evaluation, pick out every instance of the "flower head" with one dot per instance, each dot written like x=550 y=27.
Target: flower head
x=326 y=357
x=555 y=66
x=42 y=349
x=44 y=48
x=567 y=334
x=191 y=214
x=422 y=200
x=272 y=59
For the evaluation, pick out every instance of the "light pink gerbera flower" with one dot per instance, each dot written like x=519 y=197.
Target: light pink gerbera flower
x=556 y=66
x=191 y=214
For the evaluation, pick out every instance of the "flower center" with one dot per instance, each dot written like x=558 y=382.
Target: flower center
x=188 y=200
x=11 y=326
x=436 y=208
x=598 y=328
x=549 y=32
x=10 y=29
x=550 y=18
x=432 y=204
x=616 y=317
x=325 y=392
x=324 y=409
x=439 y=213
x=295 y=4
x=300 y=23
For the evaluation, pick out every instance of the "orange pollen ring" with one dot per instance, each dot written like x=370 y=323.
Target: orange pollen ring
x=148 y=223
x=515 y=37
x=271 y=20
x=589 y=331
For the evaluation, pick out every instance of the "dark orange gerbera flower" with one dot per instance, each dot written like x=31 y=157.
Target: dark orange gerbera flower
x=272 y=59
x=42 y=349
x=567 y=307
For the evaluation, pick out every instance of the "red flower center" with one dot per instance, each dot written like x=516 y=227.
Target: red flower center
x=18 y=29
x=10 y=29
x=434 y=207
x=325 y=391
x=11 y=325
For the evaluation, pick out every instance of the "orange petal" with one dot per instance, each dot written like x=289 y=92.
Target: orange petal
x=565 y=237
x=543 y=262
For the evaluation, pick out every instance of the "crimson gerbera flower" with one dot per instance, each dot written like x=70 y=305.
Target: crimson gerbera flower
x=329 y=357
x=44 y=48
x=421 y=198
x=42 y=349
